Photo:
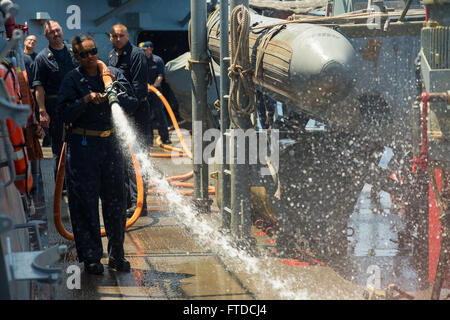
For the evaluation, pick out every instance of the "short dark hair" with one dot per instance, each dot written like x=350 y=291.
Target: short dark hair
x=47 y=26
x=79 y=39
x=118 y=25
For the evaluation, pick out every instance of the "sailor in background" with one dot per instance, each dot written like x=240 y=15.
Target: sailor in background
x=29 y=54
x=95 y=163
x=133 y=62
x=49 y=69
x=156 y=67
x=34 y=131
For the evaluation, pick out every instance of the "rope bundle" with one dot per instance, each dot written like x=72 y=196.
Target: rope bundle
x=239 y=72
x=262 y=47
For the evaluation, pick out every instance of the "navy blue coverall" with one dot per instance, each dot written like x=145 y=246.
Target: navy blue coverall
x=156 y=68
x=37 y=190
x=95 y=165
x=133 y=62
x=28 y=60
x=49 y=69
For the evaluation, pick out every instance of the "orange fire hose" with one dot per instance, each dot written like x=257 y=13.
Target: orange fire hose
x=172 y=117
x=183 y=151
x=180 y=184
x=58 y=195
x=106 y=75
x=107 y=80
x=166 y=155
x=167 y=147
x=180 y=154
x=183 y=192
x=173 y=180
x=182 y=177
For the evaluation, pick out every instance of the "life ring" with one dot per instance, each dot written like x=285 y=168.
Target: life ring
x=24 y=177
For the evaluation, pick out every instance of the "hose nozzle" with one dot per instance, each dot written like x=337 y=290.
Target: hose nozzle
x=114 y=91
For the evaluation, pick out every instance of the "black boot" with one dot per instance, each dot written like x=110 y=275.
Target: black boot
x=93 y=267
x=121 y=264
x=130 y=211
x=167 y=141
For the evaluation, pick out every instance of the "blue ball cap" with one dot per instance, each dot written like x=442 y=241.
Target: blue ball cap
x=146 y=44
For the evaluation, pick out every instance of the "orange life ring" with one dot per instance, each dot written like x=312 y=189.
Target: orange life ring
x=24 y=177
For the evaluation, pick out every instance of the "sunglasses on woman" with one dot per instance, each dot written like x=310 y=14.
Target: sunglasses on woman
x=84 y=54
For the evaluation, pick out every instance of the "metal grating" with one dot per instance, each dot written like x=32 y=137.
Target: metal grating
x=435 y=43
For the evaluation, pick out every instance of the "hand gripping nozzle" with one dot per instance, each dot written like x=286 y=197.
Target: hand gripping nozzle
x=114 y=91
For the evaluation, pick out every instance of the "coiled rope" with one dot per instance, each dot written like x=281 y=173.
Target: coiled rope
x=240 y=72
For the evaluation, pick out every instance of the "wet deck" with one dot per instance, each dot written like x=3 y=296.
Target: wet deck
x=171 y=259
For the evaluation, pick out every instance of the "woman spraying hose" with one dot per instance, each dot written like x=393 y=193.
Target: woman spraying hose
x=95 y=165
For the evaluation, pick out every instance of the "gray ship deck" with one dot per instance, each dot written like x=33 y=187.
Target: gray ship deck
x=169 y=261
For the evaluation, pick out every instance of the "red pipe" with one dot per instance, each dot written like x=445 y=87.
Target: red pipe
x=10 y=25
x=422 y=160
x=424 y=150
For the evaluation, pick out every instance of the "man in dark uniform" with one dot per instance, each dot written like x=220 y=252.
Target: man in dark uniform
x=155 y=65
x=37 y=191
x=95 y=163
x=133 y=62
x=29 y=54
x=49 y=69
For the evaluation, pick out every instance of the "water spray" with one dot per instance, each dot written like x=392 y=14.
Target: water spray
x=204 y=230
